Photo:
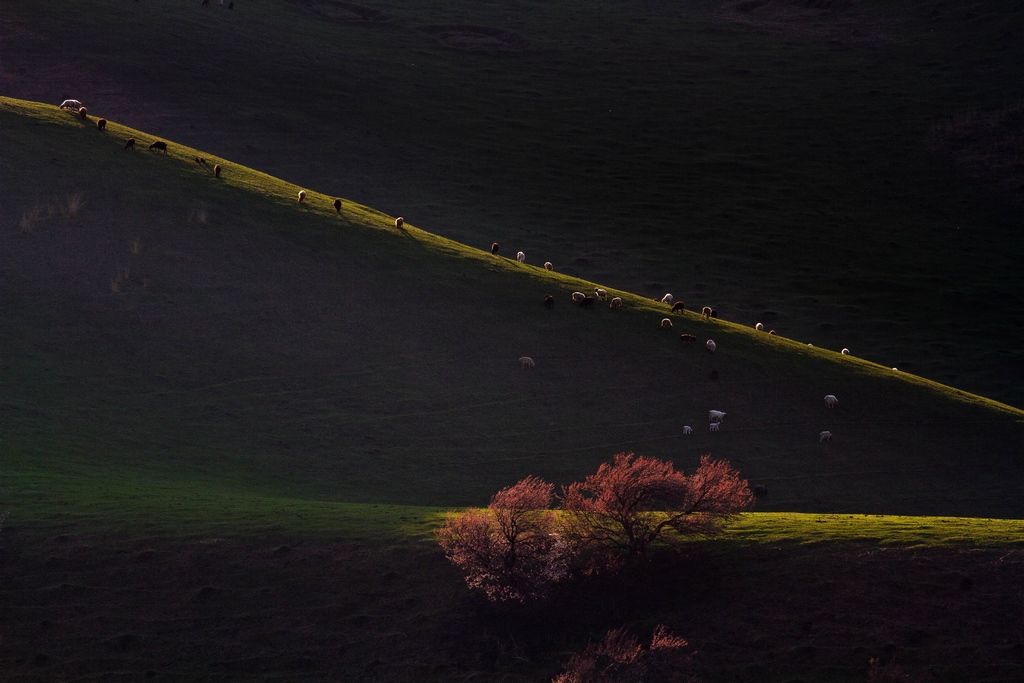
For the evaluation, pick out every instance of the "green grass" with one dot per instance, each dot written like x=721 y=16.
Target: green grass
x=779 y=170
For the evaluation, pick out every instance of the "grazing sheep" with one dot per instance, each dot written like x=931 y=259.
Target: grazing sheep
x=84 y=113
x=494 y=248
x=72 y=105
x=588 y=302
x=711 y=345
x=760 y=491
x=129 y=143
x=201 y=160
x=667 y=299
x=771 y=332
x=216 y=170
x=845 y=352
x=521 y=257
x=601 y=294
x=101 y=124
x=615 y=303
x=526 y=362
x=831 y=401
x=578 y=297
x=549 y=301
x=759 y=327
x=666 y=324
x=548 y=266
x=687 y=338
x=679 y=307
x=399 y=222
x=302 y=196
x=337 y=205
x=713 y=427
x=706 y=312
x=825 y=437
x=687 y=429
x=715 y=415
x=159 y=146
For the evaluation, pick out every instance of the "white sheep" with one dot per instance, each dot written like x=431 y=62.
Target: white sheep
x=687 y=429
x=831 y=401
x=711 y=345
x=666 y=324
x=548 y=266
x=714 y=426
x=845 y=352
x=521 y=257
x=825 y=437
x=601 y=294
x=715 y=415
x=526 y=362
x=578 y=297
x=759 y=326
x=667 y=299
x=615 y=303
x=302 y=196
x=72 y=105
x=399 y=222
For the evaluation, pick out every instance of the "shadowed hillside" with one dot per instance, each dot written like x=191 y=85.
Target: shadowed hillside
x=785 y=162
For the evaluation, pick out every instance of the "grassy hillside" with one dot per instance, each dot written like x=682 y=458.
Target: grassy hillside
x=783 y=161
x=220 y=408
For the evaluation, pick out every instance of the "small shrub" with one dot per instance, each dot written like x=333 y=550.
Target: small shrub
x=620 y=658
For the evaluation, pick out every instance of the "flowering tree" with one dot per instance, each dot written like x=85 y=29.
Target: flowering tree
x=510 y=550
x=634 y=502
x=619 y=658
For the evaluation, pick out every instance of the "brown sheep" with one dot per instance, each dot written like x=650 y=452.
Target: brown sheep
x=399 y=222
x=771 y=332
x=494 y=249
x=101 y=124
x=706 y=312
x=687 y=338
x=588 y=302
x=302 y=196
x=679 y=306
x=337 y=205
x=84 y=113
x=129 y=143
x=714 y=313
x=159 y=146
x=216 y=170
x=549 y=300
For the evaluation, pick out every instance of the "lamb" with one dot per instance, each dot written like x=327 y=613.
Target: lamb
x=845 y=352
x=302 y=196
x=521 y=257
x=831 y=401
x=101 y=124
x=548 y=266
x=706 y=312
x=667 y=299
x=399 y=222
x=526 y=362
x=216 y=170
x=494 y=249
x=825 y=437
x=679 y=307
x=588 y=302
x=666 y=324
x=615 y=303
x=129 y=143
x=714 y=426
x=549 y=301
x=710 y=345
x=687 y=338
x=337 y=205
x=601 y=294
x=687 y=429
x=578 y=297
x=759 y=327
x=715 y=415
x=159 y=146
